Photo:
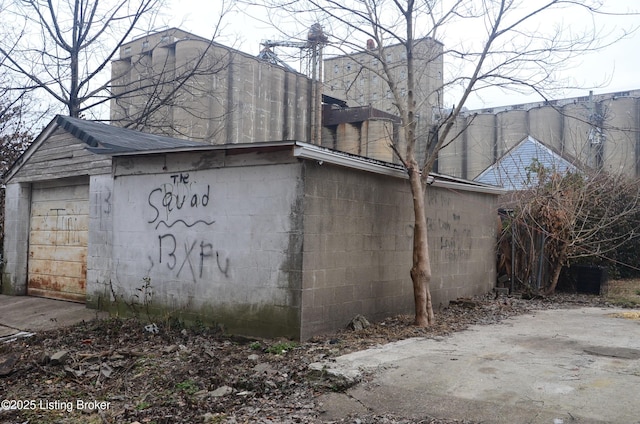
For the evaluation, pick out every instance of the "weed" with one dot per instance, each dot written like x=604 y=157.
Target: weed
x=187 y=386
x=174 y=323
x=255 y=346
x=142 y=406
x=144 y=295
x=280 y=348
x=623 y=302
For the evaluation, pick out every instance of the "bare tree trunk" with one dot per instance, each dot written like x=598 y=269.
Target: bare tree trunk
x=555 y=275
x=554 y=280
x=421 y=269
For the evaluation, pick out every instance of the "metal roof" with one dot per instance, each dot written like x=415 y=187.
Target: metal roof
x=510 y=171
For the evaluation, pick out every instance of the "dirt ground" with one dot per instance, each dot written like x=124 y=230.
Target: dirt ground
x=122 y=371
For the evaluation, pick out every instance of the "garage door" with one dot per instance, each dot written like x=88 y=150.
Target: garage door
x=58 y=241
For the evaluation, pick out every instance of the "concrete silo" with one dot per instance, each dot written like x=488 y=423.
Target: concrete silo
x=545 y=125
x=450 y=157
x=576 y=131
x=191 y=111
x=290 y=105
x=269 y=102
x=377 y=136
x=303 y=109
x=348 y=136
x=480 y=144
x=620 y=135
x=512 y=127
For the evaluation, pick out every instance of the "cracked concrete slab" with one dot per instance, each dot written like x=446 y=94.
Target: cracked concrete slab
x=576 y=365
x=30 y=314
x=614 y=352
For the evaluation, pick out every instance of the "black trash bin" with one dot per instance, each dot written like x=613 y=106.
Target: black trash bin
x=587 y=279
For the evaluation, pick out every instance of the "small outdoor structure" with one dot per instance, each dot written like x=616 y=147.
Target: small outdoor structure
x=272 y=239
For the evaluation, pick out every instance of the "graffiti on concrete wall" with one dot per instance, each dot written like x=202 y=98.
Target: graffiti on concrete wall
x=103 y=207
x=172 y=200
x=180 y=212
x=458 y=245
x=455 y=242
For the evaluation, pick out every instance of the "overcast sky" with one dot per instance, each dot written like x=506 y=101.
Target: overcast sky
x=610 y=70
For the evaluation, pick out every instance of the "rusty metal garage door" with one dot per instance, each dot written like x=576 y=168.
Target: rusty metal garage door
x=58 y=240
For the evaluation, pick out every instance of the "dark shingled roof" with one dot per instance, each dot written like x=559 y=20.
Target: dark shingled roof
x=108 y=139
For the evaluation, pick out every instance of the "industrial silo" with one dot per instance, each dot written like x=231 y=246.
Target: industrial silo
x=303 y=109
x=290 y=106
x=512 y=128
x=620 y=135
x=576 y=132
x=480 y=152
x=545 y=125
x=274 y=104
x=192 y=108
x=377 y=136
x=260 y=101
x=450 y=157
x=348 y=137
x=218 y=107
x=122 y=104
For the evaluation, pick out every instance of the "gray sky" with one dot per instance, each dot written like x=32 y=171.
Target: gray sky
x=610 y=70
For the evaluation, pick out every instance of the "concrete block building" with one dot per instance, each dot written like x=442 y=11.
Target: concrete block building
x=277 y=238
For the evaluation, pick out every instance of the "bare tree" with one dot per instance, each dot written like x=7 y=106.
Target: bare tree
x=15 y=137
x=62 y=50
x=510 y=49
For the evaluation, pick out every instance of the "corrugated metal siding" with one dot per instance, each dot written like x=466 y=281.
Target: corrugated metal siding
x=59 y=224
x=62 y=156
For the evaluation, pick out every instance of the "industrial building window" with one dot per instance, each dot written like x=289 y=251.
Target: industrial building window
x=127 y=50
x=145 y=45
x=335 y=69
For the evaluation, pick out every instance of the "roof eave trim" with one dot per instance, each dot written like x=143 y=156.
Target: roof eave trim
x=487 y=189
x=320 y=154
x=206 y=147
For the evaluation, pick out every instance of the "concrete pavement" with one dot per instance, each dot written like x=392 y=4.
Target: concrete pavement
x=28 y=314
x=570 y=365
